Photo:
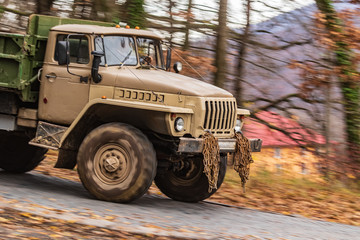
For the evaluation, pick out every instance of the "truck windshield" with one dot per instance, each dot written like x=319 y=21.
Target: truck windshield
x=119 y=50
x=150 y=52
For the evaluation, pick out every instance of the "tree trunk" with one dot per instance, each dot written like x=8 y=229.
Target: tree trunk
x=350 y=88
x=171 y=5
x=220 y=59
x=44 y=7
x=82 y=9
x=103 y=10
x=133 y=13
x=187 y=25
x=241 y=56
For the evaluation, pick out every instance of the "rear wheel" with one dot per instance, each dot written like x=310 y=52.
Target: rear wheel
x=186 y=181
x=17 y=155
x=116 y=162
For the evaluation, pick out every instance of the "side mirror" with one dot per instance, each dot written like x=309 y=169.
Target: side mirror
x=61 y=53
x=168 y=59
x=177 y=67
x=95 y=66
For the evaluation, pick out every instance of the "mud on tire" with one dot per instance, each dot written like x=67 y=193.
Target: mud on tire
x=116 y=162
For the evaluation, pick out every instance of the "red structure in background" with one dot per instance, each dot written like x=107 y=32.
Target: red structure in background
x=296 y=135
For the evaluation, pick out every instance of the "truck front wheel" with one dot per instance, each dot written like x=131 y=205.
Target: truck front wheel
x=186 y=180
x=17 y=155
x=116 y=162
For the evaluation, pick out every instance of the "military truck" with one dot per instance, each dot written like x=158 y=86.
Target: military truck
x=103 y=96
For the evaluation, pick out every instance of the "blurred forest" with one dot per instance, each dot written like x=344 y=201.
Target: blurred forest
x=297 y=58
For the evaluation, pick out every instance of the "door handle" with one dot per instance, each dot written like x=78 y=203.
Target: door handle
x=50 y=76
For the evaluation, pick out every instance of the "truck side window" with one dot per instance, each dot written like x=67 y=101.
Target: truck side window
x=79 y=48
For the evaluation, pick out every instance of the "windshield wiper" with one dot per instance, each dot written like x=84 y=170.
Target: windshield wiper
x=142 y=61
x=126 y=58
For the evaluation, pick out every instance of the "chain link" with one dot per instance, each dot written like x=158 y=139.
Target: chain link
x=211 y=153
x=242 y=158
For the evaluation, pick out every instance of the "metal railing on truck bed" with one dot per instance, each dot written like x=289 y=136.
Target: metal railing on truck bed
x=21 y=56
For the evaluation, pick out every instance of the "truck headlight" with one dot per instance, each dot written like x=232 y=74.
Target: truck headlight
x=238 y=125
x=179 y=124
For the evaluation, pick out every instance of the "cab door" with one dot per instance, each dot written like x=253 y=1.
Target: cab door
x=62 y=94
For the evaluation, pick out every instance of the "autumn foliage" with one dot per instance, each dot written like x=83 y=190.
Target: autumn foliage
x=338 y=38
x=319 y=74
x=195 y=63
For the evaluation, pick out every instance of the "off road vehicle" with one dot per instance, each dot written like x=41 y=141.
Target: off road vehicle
x=103 y=96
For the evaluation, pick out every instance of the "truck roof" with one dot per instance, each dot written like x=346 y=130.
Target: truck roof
x=99 y=30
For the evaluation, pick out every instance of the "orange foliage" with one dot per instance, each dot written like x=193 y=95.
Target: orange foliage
x=318 y=74
x=194 y=63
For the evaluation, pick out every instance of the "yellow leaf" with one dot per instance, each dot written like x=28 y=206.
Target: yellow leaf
x=349 y=175
x=26 y=214
x=109 y=218
x=54 y=235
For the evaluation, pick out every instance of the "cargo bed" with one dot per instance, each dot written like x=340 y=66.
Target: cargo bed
x=21 y=56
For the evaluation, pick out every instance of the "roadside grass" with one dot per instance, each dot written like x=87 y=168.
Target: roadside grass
x=326 y=200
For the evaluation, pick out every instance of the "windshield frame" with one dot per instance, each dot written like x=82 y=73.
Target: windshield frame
x=120 y=61
x=158 y=49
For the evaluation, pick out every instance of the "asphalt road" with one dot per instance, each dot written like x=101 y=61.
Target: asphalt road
x=63 y=199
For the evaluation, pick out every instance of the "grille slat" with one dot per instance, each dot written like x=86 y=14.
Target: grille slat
x=233 y=114
x=209 y=115
x=206 y=114
x=223 y=115
x=218 y=110
x=219 y=115
x=214 y=115
x=228 y=115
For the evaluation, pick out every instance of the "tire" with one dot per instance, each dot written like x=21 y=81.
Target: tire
x=17 y=156
x=189 y=184
x=116 y=162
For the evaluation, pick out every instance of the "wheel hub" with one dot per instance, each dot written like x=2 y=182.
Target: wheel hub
x=113 y=160
x=111 y=164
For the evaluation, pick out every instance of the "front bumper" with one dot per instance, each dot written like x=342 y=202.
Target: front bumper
x=195 y=145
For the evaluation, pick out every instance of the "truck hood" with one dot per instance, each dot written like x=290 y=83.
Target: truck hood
x=161 y=81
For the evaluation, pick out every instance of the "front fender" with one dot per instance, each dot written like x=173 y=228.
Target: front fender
x=142 y=115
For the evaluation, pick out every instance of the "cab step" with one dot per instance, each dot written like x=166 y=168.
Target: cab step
x=48 y=135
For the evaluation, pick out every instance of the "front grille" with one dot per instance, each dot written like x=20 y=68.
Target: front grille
x=219 y=115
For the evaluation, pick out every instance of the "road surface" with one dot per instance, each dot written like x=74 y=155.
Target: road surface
x=152 y=214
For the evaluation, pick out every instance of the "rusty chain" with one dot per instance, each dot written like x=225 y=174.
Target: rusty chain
x=211 y=153
x=242 y=158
